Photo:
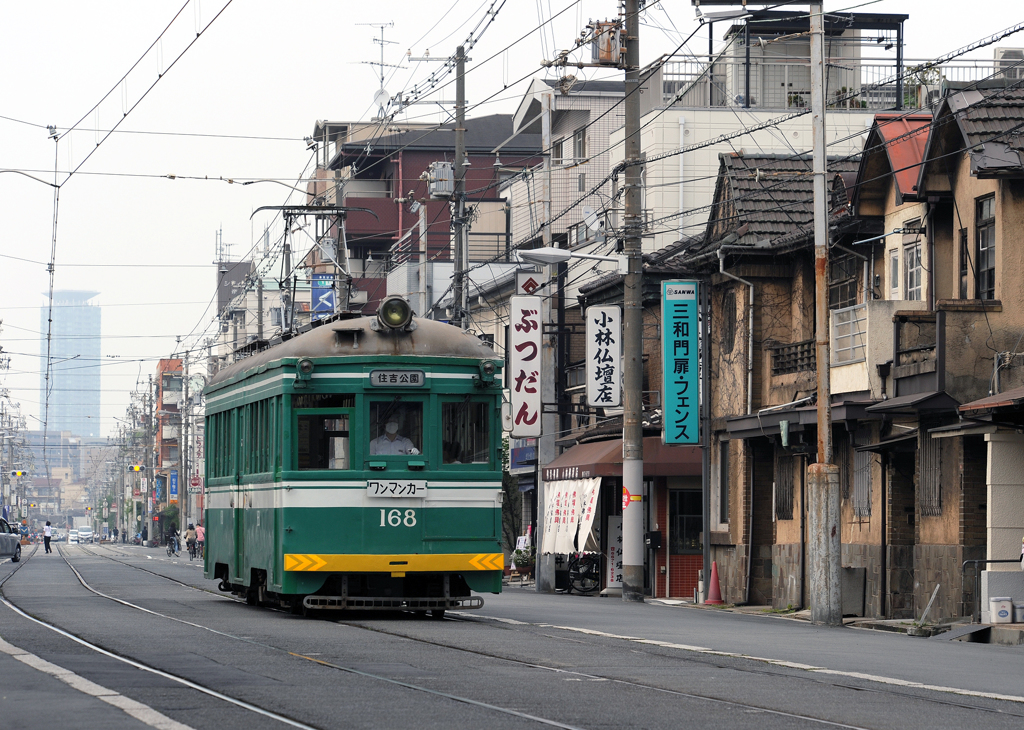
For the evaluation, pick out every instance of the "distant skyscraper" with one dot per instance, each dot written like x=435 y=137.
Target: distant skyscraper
x=74 y=385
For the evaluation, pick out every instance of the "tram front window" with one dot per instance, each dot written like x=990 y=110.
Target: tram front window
x=396 y=428
x=465 y=433
x=323 y=441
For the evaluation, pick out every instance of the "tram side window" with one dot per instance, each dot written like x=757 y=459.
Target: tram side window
x=323 y=441
x=396 y=428
x=465 y=433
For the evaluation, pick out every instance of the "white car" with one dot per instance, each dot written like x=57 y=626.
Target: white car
x=72 y=537
x=85 y=534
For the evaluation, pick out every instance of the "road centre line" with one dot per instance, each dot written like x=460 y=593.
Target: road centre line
x=141 y=712
x=775 y=662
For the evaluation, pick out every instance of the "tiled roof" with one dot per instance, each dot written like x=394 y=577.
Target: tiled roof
x=772 y=194
x=895 y=145
x=992 y=124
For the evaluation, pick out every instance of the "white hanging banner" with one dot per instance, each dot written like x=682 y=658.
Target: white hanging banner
x=524 y=365
x=604 y=356
x=590 y=491
x=569 y=512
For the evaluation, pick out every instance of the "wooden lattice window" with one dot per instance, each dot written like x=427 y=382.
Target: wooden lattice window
x=862 y=483
x=931 y=473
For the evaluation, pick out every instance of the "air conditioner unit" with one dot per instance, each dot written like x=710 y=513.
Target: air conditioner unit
x=441 y=180
x=1010 y=62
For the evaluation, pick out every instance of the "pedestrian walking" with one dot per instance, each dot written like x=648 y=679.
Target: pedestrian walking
x=47 y=534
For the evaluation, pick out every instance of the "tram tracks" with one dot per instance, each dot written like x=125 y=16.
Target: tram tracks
x=565 y=673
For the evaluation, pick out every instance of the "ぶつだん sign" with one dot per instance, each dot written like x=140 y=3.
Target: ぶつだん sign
x=525 y=328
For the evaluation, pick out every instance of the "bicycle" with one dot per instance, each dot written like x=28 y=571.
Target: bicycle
x=584 y=572
x=173 y=548
x=193 y=550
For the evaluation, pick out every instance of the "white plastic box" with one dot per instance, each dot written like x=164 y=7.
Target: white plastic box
x=1018 y=613
x=1001 y=609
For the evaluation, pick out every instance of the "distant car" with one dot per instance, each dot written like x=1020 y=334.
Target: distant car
x=73 y=536
x=85 y=534
x=10 y=542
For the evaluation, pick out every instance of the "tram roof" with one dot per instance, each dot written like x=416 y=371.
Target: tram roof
x=355 y=337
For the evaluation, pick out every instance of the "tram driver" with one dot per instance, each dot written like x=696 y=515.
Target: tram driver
x=391 y=442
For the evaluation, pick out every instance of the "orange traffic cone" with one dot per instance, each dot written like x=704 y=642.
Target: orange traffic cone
x=714 y=592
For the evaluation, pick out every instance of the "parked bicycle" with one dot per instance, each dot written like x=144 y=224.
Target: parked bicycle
x=584 y=572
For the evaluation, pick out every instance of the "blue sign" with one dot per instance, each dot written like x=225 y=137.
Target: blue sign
x=174 y=487
x=323 y=295
x=680 y=360
x=522 y=456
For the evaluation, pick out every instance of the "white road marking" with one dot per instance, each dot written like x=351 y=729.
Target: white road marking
x=776 y=662
x=141 y=712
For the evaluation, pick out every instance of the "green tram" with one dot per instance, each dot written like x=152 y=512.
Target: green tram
x=357 y=465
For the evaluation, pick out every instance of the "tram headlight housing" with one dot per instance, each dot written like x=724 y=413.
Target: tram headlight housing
x=394 y=313
x=487 y=371
x=303 y=372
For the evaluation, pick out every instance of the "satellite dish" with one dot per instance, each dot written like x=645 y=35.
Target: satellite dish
x=591 y=219
x=381 y=98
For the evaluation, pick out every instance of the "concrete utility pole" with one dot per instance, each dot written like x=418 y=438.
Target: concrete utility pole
x=545 y=569
x=632 y=330
x=822 y=477
x=151 y=470
x=459 y=285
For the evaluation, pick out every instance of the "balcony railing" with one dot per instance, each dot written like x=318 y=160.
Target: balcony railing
x=784 y=82
x=849 y=334
x=794 y=358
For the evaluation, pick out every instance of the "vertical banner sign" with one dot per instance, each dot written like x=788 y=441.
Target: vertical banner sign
x=173 y=492
x=679 y=347
x=524 y=366
x=614 y=564
x=323 y=295
x=604 y=356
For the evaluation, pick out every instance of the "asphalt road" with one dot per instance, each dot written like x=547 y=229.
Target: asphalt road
x=151 y=643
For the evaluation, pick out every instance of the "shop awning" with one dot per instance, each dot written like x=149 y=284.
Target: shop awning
x=929 y=401
x=904 y=442
x=1011 y=399
x=604 y=459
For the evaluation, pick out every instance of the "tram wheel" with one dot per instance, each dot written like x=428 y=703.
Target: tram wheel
x=437 y=613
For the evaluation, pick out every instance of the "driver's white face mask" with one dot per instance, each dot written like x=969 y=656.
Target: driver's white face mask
x=391 y=427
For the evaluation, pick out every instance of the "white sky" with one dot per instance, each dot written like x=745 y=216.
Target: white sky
x=265 y=69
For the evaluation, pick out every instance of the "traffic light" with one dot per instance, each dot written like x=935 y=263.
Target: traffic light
x=88 y=509
x=18 y=473
x=136 y=467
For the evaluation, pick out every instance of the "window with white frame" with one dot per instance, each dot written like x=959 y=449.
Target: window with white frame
x=556 y=152
x=894 y=273
x=579 y=144
x=985 y=241
x=912 y=269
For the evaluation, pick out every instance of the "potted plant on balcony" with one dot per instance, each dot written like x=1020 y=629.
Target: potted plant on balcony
x=523 y=559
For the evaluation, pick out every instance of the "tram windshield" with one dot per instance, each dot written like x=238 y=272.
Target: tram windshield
x=323 y=441
x=465 y=433
x=396 y=428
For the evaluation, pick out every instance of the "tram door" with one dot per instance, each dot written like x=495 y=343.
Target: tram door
x=239 y=498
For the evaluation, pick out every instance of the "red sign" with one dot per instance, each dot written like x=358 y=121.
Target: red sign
x=625 y=498
x=195 y=481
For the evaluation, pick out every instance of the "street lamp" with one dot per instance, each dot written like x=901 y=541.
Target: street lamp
x=549 y=255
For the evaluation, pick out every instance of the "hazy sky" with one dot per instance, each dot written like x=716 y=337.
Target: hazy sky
x=237 y=106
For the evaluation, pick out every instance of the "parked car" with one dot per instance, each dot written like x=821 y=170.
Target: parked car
x=73 y=537
x=85 y=534
x=10 y=542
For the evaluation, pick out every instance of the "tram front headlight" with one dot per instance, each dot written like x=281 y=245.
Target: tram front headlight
x=303 y=372
x=394 y=313
x=487 y=371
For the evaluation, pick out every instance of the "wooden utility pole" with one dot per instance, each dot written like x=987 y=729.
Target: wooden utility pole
x=822 y=477
x=632 y=329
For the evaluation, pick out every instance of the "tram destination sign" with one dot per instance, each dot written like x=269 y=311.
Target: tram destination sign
x=396 y=488
x=398 y=378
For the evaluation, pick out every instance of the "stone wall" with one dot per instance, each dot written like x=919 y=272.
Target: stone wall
x=786 y=576
x=941 y=564
x=868 y=557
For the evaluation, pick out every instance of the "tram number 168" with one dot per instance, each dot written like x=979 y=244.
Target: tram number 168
x=396 y=518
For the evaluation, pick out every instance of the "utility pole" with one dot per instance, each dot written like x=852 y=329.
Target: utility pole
x=459 y=283
x=184 y=496
x=151 y=470
x=632 y=329
x=822 y=477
